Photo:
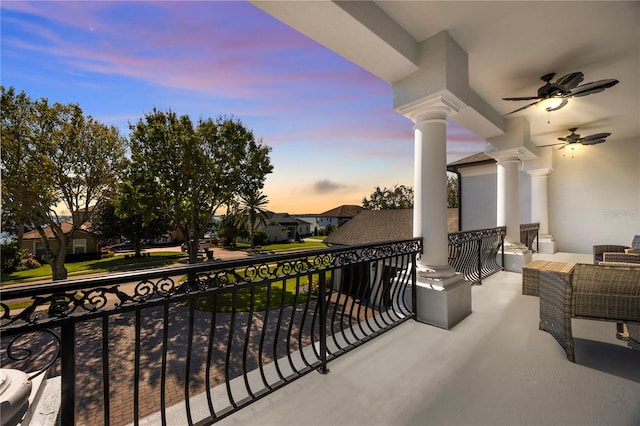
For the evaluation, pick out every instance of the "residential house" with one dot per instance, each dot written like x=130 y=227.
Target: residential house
x=275 y=232
x=292 y=224
x=85 y=241
x=338 y=216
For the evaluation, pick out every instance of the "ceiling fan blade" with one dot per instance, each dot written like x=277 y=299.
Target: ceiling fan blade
x=524 y=107
x=593 y=141
x=571 y=81
x=593 y=87
x=596 y=136
x=525 y=98
x=553 y=144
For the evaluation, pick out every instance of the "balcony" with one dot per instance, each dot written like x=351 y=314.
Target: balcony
x=494 y=368
x=141 y=348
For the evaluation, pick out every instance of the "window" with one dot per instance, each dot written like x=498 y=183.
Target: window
x=38 y=249
x=79 y=246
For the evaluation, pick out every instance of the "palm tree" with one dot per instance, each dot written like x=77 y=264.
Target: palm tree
x=253 y=207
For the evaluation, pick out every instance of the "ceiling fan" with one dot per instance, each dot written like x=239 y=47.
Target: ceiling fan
x=575 y=138
x=553 y=96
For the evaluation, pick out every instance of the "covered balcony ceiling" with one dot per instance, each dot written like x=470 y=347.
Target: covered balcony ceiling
x=510 y=45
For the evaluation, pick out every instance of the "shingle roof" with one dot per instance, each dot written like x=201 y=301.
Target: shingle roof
x=283 y=218
x=344 y=211
x=66 y=228
x=473 y=160
x=373 y=226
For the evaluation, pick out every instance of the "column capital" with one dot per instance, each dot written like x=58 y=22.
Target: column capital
x=433 y=108
x=512 y=154
x=540 y=172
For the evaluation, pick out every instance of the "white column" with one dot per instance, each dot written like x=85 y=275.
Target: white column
x=443 y=297
x=508 y=208
x=539 y=204
x=508 y=212
x=540 y=208
x=430 y=190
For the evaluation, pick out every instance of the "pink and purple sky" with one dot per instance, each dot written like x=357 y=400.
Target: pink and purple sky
x=330 y=124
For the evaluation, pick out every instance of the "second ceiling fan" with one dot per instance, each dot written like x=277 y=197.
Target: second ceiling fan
x=576 y=138
x=561 y=90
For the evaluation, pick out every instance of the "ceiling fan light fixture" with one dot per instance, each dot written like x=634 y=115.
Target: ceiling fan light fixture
x=549 y=104
x=571 y=149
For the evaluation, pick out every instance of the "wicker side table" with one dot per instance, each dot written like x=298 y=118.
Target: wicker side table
x=531 y=274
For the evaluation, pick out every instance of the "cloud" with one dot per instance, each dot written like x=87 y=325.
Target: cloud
x=325 y=186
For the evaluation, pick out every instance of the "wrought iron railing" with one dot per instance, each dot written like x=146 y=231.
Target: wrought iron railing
x=192 y=344
x=474 y=253
x=529 y=232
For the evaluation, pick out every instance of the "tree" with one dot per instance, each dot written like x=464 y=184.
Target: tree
x=53 y=157
x=401 y=197
x=398 y=197
x=253 y=208
x=452 y=191
x=193 y=170
x=129 y=214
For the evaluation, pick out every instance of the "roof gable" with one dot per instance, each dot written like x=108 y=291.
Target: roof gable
x=344 y=211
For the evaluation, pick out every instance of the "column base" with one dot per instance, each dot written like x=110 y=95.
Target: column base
x=443 y=302
x=515 y=257
x=546 y=244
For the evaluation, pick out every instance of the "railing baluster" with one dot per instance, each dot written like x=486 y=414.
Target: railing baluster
x=136 y=371
x=322 y=301
x=277 y=334
x=163 y=373
x=187 y=367
x=212 y=332
x=105 y=369
x=68 y=373
x=247 y=341
x=227 y=363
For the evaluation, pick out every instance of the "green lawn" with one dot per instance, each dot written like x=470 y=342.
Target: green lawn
x=261 y=295
x=120 y=263
x=110 y=264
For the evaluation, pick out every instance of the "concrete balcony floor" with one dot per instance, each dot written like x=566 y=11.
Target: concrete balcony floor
x=494 y=368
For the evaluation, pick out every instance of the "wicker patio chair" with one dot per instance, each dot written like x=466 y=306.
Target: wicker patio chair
x=635 y=246
x=609 y=257
x=599 y=250
x=595 y=292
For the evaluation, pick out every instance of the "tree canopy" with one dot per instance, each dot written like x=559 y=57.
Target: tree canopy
x=398 y=197
x=53 y=158
x=192 y=170
x=401 y=196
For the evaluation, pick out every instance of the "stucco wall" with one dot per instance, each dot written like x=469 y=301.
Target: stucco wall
x=479 y=197
x=594 y=197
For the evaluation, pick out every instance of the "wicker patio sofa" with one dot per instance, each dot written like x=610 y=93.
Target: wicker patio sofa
x=595 y=292
x=600 y=250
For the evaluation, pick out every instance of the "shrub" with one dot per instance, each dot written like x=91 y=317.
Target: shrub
x=28 y=261
x=9 y=255
x=260 y=237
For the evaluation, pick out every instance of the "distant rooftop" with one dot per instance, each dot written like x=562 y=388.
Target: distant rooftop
x=344 y=211
x=373 y=226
